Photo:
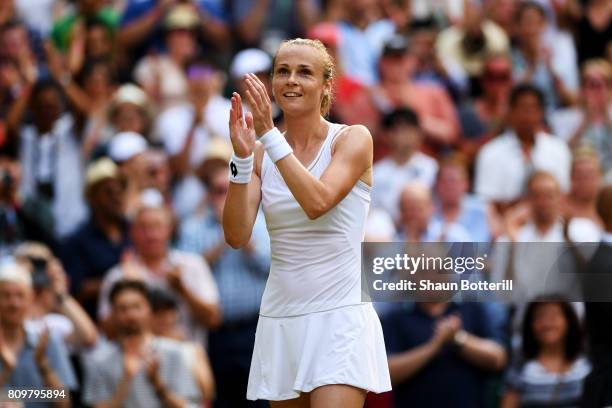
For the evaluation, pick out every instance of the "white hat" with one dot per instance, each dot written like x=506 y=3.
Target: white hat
x=125 y=145
x=250 y=60
x=151 y=198
x=182 y=16
x=130 y=93
x=11 y=271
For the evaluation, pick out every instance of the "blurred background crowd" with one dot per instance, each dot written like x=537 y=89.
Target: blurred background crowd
x=491 y=119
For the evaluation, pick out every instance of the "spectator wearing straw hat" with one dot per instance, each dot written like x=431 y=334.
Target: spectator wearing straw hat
x=141 y=26
x=163 y=76
x=98 y=243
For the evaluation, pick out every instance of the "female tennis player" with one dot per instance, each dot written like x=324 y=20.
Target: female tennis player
x=317 y=344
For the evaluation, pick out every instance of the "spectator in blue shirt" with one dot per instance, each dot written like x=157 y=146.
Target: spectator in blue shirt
x=27 y=359
x=241 y=278
x=440 y=354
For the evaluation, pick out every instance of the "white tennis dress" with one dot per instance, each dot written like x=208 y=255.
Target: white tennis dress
x=313 y=328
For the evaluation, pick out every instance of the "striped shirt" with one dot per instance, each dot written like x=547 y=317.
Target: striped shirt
x=539 y=387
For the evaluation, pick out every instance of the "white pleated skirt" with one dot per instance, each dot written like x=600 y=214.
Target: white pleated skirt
x=298 y=354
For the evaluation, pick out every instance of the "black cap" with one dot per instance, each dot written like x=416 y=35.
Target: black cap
x=396 y=45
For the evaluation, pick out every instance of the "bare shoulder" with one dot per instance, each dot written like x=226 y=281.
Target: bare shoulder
x=353 y=136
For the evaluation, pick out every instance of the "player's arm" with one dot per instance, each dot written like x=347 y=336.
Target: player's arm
x=352 y=158
x=242 y=201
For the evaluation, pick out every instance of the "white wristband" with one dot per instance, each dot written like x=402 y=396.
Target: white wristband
x=241 y=169
x=275 y=144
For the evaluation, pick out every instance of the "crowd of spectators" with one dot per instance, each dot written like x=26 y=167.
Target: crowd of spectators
x=491 y=120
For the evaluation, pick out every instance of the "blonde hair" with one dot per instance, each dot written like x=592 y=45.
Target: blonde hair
x=329 y=67
x=585 y=153
x=599 y=66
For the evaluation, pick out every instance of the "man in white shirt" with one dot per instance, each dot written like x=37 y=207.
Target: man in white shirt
x=186 y=275
x=405 y=164
x=504 y=164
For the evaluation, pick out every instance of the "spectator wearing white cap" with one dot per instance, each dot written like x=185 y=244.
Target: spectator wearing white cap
x=28 y=359
x=129 y=110
x=128 y=150
x=98 y=243
x=155 y=263
x=258 y=62
x=187 y=129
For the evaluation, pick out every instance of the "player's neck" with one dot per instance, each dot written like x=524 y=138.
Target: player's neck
x=301 y=131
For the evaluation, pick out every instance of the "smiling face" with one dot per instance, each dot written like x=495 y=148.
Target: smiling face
x=302 y=78
x=549 y=324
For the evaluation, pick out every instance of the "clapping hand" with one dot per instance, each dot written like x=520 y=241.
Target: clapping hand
x=133 y=359
x=260 y=104
x=40 y=352
x=152 y=370
x=242 y=131
x=446 y=328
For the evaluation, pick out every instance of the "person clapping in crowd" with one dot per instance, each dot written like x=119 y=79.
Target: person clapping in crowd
x=154 y=262
x=29 y=358
x=139 y=369
x=438 y=353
